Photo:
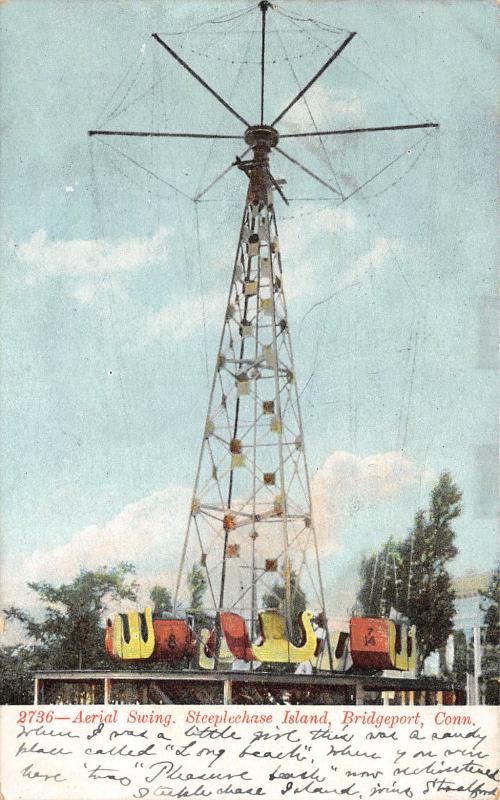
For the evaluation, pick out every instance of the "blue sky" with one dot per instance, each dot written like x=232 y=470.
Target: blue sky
x=112 y=303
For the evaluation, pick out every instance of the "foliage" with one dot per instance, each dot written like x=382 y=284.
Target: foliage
x=411 y=575
x=490 y=662
x=197 y=583
x=381 y=583
x=161 y=599
x=492 y=613
x=463 y=658
x=17 y=664
x=70 y=634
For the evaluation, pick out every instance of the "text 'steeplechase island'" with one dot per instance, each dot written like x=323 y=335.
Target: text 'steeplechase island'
x=130 y=754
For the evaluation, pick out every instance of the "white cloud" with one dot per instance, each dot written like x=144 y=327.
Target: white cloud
x=44 y=257
x=304 y=278
x=335 y=220
x=106 y=293
x=330 y=112
x=148 y=533
x=297 y=234
x=324 y=106
x=150 y=528
x=85 y=293
x=376 y=256
x=346 y=482
x=368 y=262
x=97 y=268
x=298 y=241
x=184 y=316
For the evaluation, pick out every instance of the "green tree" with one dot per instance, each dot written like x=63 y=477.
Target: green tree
x=425 y=556
x=197 y=584
x=412 y=575
x=70 y=634
x=17 y=664
x=377 y=592
x=491 y=609
x=463 y=658
x=490 y=661
x=161 y=599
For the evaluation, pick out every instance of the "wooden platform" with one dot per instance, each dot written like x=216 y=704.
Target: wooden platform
x=242 y=688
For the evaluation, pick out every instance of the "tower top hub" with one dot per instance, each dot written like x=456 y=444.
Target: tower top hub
x=261 y=139
x=261 y=136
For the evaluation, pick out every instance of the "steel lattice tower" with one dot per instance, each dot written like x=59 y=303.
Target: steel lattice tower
x=251 y=518
x=251 y=512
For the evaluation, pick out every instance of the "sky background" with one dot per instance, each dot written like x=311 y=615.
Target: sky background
x=114 y=284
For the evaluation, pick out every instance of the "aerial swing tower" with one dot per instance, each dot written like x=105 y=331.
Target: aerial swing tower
x=251 y=511
x=251 y=521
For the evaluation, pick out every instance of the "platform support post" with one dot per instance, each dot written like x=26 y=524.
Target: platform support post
x=228 y=692
x=476 y=633
x=359 y=693
x=36 y=697
x=107 y=691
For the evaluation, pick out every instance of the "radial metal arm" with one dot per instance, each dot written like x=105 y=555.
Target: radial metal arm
x=315 y=77
x=359 y=130
x=200 y=79
x=264 y=5
x=166 y=134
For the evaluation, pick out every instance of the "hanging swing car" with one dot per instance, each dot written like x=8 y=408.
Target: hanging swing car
x=140 y=636
x=381 y=643
x=135 y=636
x=273 y=645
